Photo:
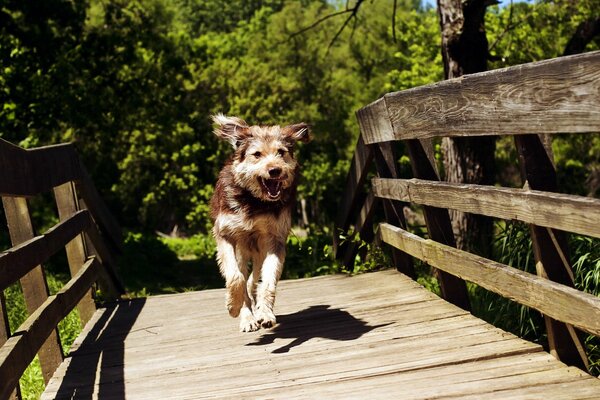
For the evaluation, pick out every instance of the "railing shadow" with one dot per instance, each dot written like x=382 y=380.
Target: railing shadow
x=315 y=322
x=96 y=369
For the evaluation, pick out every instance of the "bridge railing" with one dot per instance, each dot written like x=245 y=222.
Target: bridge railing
x=528 y=102
x=86 y=229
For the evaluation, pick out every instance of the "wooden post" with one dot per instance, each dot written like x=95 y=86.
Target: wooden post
x=550 y=249
x=67 y=203
x=4 y=335
x=437 y=220
x=385 y=163
x=33 y=284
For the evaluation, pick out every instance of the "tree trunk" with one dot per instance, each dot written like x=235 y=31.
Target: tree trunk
x=467 y=160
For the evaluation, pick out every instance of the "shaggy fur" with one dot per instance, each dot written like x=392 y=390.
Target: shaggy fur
x=251 y=210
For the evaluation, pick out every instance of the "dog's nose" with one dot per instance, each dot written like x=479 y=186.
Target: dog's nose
x=274 y=172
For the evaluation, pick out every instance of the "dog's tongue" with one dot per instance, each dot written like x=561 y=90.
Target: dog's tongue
x=273 y=186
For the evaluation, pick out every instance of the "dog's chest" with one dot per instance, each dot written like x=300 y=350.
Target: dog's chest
x=242 y=224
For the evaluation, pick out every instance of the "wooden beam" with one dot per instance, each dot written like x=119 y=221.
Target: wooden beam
x=561 y=211
x=19 y=260
x=33 y=284
x=30 y=172
x=552 y=96
x=437 y=220
x=550 y=248
x=556 y=300
x=386 y=165
x=68 y=205
x=20 y=349
x=349 y=203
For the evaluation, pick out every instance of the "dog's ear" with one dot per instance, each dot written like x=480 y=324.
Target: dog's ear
x=297 y=132
x=232 y=129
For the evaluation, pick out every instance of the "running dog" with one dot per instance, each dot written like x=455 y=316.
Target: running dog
x=252 y=213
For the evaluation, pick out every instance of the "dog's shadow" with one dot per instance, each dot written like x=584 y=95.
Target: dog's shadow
x=314 y=322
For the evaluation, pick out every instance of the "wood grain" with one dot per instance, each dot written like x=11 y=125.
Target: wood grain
x=33 y=284
x=552 y=96
x=561 y=211
x=19 y=260
x=378 y=336
x=20 y=349
x=553 y=299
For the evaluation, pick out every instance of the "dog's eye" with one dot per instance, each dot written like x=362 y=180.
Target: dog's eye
x=257 y=154
x=281 y=152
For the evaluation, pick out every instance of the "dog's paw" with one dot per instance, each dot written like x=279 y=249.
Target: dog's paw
x=249 y=324
x=265 y=318
x=234 y=303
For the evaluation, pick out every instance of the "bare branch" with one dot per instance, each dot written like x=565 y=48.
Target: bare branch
x=349 y=10
x=394 y=20
x=354 y=11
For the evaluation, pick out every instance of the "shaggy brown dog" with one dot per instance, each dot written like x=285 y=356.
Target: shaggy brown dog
x=251 y=209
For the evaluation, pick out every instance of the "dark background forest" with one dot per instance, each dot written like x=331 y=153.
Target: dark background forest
x=133 y=84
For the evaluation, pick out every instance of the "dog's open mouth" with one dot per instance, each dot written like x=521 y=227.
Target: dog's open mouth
x=272 y=187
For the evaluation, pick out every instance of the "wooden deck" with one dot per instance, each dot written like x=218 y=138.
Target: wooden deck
x=377 y=335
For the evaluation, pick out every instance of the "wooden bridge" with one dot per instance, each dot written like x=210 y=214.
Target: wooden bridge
x=377 y=335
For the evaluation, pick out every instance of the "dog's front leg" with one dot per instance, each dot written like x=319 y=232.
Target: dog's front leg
x=272 y=267
x=234 y=269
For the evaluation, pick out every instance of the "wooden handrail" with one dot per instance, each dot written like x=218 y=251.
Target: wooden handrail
x=524 y=99
x=553 y=299
x=553 y=96
x=86 y=229
x=554 y=210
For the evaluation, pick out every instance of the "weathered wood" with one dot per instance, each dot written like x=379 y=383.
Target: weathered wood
x=19 y=260
x=14 y=393
x=566 y=212
x=67 y=204
x=20 y=349
x=501 y=102
x=556 y=300
x=364 y=227
x=385 y=163
x=102 y=216
x=30 y=172
x=359 y=167
x=550 y=248
x=438 y=222
x=377 y=335
x=33 y=284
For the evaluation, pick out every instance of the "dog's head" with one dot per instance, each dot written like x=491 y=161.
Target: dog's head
x=263 y=162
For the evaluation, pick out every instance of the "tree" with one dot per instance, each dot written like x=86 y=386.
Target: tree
x=467 y=160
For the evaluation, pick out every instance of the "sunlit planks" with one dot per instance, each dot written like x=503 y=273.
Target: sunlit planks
x=377 y=335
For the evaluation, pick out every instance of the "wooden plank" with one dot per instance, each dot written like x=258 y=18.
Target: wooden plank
x=386 y=165
x=67 y=204
x=14 y=392
x=561 y=211
x=106 y=221
x=33 y=284
x=30 y=172
x=364 y=227
x=374 y=122
x=556 y=300
x=20 y=349
x=359 y=168
x=550 y=248
x=368 y=336
x=17 y=261
x=437 y=220
x=552 y=96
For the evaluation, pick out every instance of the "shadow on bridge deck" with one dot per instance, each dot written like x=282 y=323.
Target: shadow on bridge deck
x=377 y=335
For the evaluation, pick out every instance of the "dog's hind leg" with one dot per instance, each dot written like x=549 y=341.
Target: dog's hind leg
x=272 y=266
